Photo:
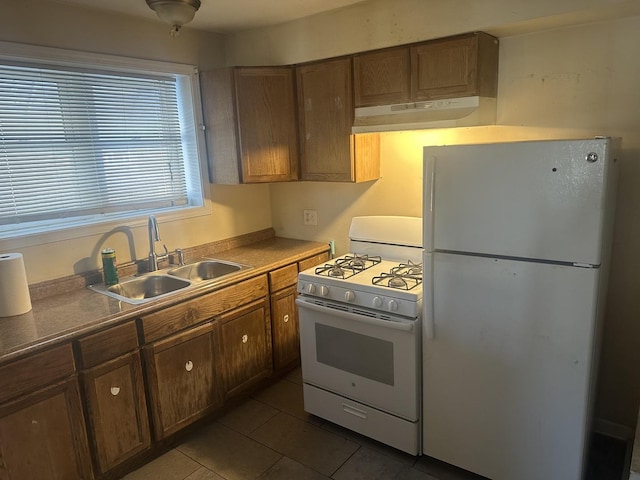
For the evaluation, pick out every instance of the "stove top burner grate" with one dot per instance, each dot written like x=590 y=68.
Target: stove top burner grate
x=404 y=276
x=408 y=268
x=400 y=281
x=347 y=266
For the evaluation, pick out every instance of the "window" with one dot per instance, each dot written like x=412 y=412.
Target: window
x=81 y=144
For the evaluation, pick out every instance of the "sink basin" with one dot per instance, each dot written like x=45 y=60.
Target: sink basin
x=138 y=290
x=142 y=289
x=149 y=286
x=205 y=270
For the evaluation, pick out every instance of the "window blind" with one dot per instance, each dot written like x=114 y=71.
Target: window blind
x=75 y=143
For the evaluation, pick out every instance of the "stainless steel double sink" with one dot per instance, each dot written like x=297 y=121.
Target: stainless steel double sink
x=153 y=285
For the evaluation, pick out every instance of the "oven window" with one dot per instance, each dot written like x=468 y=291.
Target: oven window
x=352 y=352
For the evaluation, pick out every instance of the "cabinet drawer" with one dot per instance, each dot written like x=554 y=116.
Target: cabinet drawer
x=170 y=320
x=313 y=261
x=108 y=344
x=283 y=277
x=36 y=371
x=368 y=421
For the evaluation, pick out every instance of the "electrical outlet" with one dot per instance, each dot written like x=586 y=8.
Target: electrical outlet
x=310 y=217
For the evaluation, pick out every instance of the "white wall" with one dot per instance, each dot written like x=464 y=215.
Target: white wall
x=382 y=23
x=560 y=82
x=234 y=210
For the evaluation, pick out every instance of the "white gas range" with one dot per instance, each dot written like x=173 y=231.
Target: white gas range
x=360 y=332
x=386 y=286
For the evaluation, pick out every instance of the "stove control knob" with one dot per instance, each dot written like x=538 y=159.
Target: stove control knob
x=311 y=288
x=324 y=291
x=393 y=305
x=349 y=296
x=377 y=302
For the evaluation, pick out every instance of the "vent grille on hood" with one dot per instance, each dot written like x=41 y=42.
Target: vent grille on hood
x=452 y=112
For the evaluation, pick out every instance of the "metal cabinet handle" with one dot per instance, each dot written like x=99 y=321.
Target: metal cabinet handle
x=115 y=391
x=285 y=318
x=188 y=366
x=245 y=338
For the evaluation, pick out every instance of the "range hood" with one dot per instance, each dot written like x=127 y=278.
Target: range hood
x=451 y=112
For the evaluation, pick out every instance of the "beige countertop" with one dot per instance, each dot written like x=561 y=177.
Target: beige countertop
x=69 y=315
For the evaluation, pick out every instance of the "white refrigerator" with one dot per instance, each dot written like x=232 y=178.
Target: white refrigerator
x=517 y=239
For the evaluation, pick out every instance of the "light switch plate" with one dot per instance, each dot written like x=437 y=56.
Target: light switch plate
x=310 y=217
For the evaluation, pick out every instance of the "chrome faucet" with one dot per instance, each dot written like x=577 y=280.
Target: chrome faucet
x=154 y=236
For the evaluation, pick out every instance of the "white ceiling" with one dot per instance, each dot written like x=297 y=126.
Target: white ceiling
x=226 y=16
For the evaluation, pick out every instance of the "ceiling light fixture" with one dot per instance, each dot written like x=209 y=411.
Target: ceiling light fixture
x=175 y=12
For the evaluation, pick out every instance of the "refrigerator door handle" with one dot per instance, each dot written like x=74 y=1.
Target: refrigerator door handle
x=427 y=220
x=427 y=297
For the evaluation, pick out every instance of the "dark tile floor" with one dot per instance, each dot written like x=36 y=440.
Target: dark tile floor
x=271 y=437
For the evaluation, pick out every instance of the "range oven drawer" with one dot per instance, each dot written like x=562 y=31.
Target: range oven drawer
x=396 y=432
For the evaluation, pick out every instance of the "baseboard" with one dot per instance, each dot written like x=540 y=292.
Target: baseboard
x=612 y=429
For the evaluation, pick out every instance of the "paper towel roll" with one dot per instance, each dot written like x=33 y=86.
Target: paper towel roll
x=14 y=289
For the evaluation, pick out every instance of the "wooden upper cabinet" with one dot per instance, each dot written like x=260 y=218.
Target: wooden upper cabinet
x=382 y=77
x=460 y=66
x=329 y=152
x=250 y=119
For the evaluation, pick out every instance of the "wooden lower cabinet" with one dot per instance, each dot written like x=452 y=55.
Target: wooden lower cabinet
x=284 y=325
x=193 y=356
x=246 y=345
x=117 y=410
x=184 y=383
x=285 y=331
x=42 y=435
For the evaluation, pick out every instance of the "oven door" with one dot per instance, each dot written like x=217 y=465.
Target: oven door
x=366 y=356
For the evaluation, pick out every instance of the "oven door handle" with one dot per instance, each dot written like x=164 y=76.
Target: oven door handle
x=404 y=327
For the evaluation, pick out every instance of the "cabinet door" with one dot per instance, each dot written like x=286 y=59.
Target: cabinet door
x=42 y=436
x=382 y=77
x=265 y=101
x=455 y=67
x=183 y=383
x=325 y=110
x=246 y=346
x=284 y=325
x=116 y=403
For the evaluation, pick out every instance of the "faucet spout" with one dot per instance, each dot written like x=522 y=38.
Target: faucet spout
x=154 y=236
